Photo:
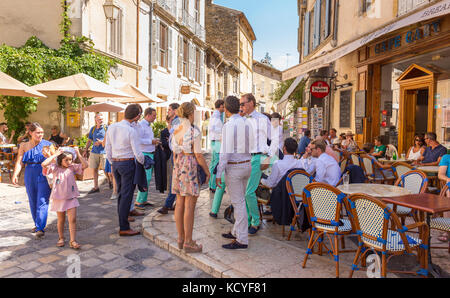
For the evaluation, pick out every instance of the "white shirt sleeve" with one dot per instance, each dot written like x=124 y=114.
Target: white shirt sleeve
x=274 y=178
x=108 y=146
x=134 y=141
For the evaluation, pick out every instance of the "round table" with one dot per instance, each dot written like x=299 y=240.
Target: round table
x=429 y=169
x=374 y=190
x=390 y=161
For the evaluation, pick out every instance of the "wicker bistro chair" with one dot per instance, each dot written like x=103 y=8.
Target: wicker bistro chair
x=343 y=164
x=401 y=168
x=355 y=159
x=442 y=223
x=370 y=166
x=323 y=204
x=416 y=182
x=371 y=218
x=295 y=183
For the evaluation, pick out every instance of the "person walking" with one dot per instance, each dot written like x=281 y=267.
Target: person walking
x=235 y=162
x=148 y=143
x=96 y=136
x=186 y=147
x=123 y=150
x=215 y=135
x=65 y=192
x=173 y=122
x=261 y=132
x=31 y=154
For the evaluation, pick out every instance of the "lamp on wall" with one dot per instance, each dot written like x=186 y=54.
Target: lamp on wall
x=111 y=10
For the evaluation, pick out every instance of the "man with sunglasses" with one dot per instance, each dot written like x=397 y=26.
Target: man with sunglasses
x=433 y=153
x=261 y=127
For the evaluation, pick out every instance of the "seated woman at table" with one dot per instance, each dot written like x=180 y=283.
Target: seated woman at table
x=349 y=144
x=379 y=149
x=417 y=149
x=379 y=168
x=444 y=175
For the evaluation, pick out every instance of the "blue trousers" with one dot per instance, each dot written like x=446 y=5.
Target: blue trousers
x=38 y=193
x=124 y=174
x=170 y=197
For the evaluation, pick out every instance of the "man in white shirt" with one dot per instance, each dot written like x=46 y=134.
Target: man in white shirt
x=261 y=129
x=215 y=135
x=234 y=161
x=276 y=145
x=3 y=130
x=282 y=166
x=122 y=148
x=324 y=166
x=148 y=143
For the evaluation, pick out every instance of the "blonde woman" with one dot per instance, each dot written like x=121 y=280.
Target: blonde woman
x=186 y=146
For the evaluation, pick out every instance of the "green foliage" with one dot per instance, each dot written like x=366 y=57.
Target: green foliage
x=296 y=97
x=81 y=142
x=35 y=63
x=157 y=127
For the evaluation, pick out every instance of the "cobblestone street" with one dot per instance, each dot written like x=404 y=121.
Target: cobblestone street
x=103 y=252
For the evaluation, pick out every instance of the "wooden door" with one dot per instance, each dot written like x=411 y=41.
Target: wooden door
x=410 y=117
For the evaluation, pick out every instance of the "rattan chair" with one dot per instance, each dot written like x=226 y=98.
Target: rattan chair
x=416 y=182
x=355 y=159
x=343 y=164
x=295 y=183
x=442 y=223
x=324 y=205
x=401 y=168
x=371 y=218
x=370 y=166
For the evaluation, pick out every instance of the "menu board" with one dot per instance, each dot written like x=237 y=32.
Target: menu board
x=344 y=111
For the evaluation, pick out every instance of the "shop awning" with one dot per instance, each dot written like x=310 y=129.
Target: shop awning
x=291 y=89
x=439 y=9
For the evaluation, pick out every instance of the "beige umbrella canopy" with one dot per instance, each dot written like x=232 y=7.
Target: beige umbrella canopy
x=137 y=95
x=112 y=107
x=12 y=87
x=79 y=85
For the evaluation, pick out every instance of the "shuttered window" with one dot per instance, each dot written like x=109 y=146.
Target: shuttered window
x=306 y=34
x=317 y=18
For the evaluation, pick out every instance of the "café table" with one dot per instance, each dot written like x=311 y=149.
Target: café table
x=429 y=170
x=374 y=190
x=425 y=203
x=391 y=161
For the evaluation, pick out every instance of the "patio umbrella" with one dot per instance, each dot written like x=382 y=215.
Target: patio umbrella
x=138 y=96
x=112 y=107
x=12 y=87
x=79 y=85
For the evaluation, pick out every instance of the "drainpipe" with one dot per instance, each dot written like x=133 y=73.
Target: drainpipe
x=137 y=41
x=150 y=18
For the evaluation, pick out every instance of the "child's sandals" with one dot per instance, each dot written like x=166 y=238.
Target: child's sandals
x=74 y=245
x=61 y=242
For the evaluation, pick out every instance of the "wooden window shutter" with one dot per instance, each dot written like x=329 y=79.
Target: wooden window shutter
x=327 y=18
x=155 y=44
x=202 y=66
x=306 y=34
x=180 y=55
x=169 y=48
x=317 y=16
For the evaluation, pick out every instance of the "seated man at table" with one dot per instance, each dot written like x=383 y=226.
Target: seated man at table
x=433 y=153
x=379 y=149
x=3 y=129
x=282 y=166
x=378 y=167
x=324 y=166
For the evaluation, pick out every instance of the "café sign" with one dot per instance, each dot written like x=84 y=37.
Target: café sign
x=320 y=89
x=409 y=37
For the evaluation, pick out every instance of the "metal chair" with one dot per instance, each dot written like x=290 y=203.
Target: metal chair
x=323 y=204
x=416 y=182
x=295 y=183
x=371 y=218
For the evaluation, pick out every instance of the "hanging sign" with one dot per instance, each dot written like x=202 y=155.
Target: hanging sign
x=320 y=89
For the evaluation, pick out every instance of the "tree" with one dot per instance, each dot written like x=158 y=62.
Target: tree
x=267 y=60
x=296 y=97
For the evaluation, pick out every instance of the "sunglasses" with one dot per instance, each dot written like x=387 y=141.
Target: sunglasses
x=243 y=104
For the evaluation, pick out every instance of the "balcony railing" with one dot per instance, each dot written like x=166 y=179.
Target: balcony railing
x=188 y=21
x=406 y=6
x=168 y=5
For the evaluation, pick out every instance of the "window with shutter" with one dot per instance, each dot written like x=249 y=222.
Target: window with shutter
x=306 y=35
x=163 y=45
x=191 y=61
x=185 y=58
x=197 y=65
x=155 y=43
x=180 y=55
x=169 y=48
x=327 y=28
x=317 y=18
x=115 y=34
x=202 y=67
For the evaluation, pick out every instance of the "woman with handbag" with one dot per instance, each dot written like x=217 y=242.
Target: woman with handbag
x=187 y=175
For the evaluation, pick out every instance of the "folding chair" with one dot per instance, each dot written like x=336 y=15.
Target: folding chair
x=324 y=203
x=295 y=183
x=371 y=218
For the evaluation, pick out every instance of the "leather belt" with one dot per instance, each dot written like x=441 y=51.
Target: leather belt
x=259 y=153
x=187 y=154
x=238 y=162
x=122 y=159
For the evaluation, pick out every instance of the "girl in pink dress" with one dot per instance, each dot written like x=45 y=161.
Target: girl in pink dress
x=65 y=191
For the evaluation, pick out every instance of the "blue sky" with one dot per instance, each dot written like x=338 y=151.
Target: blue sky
x=275 y=24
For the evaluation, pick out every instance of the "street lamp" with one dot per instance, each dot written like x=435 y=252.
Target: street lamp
x=111 y=10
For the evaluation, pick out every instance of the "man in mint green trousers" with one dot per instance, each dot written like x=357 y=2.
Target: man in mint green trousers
x=215 y=135
x=148 y=145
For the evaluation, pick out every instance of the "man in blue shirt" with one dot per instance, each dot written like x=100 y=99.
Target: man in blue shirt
x=433 y=153
x=304 y=142
x=96 y=137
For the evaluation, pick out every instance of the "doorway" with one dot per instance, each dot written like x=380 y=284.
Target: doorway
x=422 y=111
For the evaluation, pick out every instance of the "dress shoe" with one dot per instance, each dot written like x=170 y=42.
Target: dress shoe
x=129 y=233
x=94 y=190
x=39 y=234
x=228 y=236
x=136 y=213
x=214 y=215
x=253 y=230
x=163 y=210
x=235 y=245
x=131 y=219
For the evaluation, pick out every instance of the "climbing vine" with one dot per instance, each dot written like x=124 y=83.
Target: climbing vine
x=35 y=63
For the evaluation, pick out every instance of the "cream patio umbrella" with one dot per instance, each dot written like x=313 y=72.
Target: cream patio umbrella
x=79 y=85
x=111 y=107
x=12 y=87
x=138 y=96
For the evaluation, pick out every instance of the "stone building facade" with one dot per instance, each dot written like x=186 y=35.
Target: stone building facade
x=265 y=80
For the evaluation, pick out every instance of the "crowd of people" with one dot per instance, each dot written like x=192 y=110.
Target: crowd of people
x=244 y=144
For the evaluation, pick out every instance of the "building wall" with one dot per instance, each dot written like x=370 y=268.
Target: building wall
x=265 y=81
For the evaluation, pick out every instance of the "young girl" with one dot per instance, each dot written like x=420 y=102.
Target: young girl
x=64 y=191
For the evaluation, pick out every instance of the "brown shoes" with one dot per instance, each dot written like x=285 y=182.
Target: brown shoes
x=136 y=213
x=129 y=233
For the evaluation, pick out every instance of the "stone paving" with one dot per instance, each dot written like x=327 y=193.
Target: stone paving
x=103 y=252
x=269 y=254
